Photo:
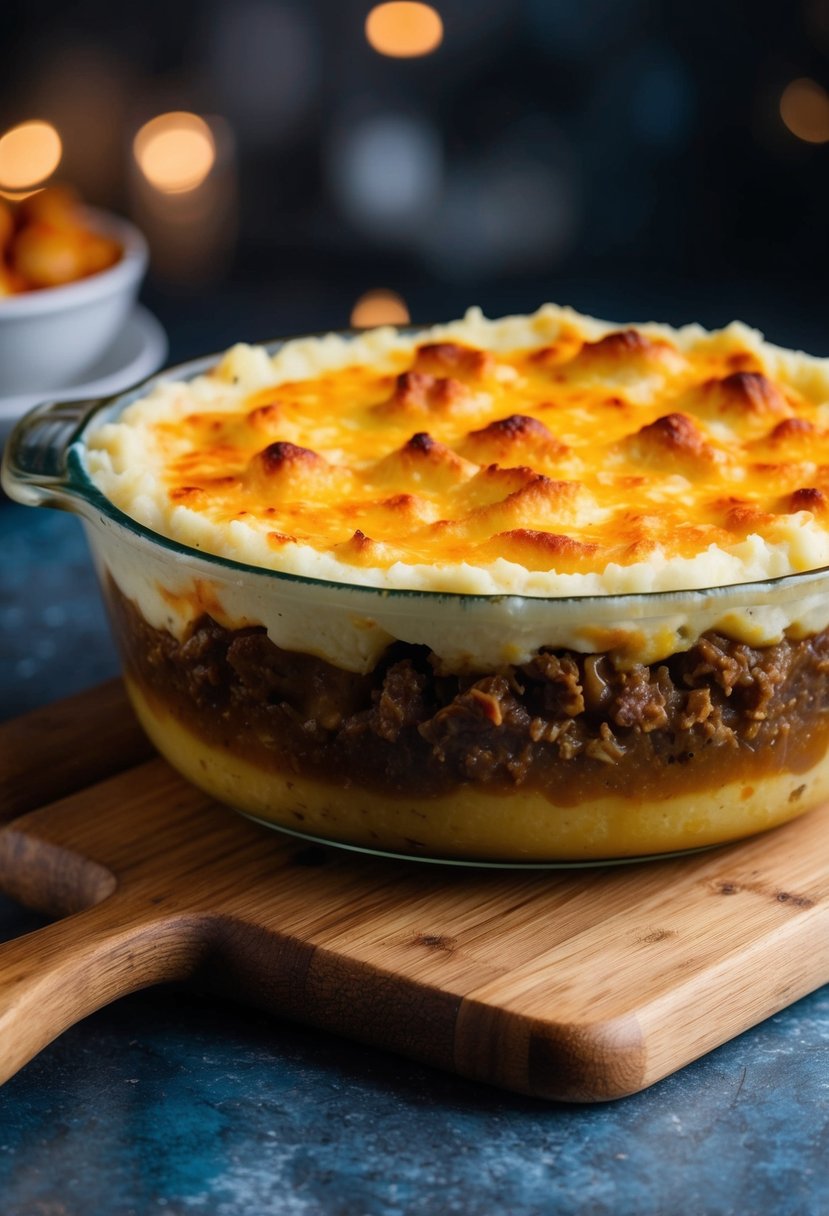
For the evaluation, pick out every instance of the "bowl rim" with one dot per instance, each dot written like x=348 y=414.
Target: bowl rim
x=80 y=485
x=129 y=269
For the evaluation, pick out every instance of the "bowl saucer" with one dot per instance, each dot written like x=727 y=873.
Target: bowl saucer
x=138 y=350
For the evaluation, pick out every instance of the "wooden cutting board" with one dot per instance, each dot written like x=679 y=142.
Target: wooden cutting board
x=581 y=985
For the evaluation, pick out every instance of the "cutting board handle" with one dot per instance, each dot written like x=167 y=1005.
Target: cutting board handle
x=53 y=977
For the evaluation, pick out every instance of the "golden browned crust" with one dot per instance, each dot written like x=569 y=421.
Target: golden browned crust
x=574 y=456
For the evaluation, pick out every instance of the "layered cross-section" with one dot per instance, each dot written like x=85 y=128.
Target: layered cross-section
x=531 y=589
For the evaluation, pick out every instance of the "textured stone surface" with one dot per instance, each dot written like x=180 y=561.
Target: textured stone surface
x=166 y=1103
x=54 y=638
x=163 y=1103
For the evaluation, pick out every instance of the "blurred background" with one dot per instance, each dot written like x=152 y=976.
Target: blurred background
x=300 y=164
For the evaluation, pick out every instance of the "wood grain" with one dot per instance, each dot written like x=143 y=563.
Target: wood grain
x=50 y=752
x=581 y=985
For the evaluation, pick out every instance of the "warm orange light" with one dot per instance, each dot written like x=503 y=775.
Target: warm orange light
x=404 y=30
x=29 y=153
x=17 y=196
x=379 y=307
x=804 y=108
x=175 y=152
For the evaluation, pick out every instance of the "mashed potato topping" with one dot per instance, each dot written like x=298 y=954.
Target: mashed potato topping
x=547 y=455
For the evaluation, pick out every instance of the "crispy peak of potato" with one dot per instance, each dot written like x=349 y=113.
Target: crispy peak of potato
x=570 y=449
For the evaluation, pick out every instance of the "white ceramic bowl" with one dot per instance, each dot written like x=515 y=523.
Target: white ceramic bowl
x=50 y=337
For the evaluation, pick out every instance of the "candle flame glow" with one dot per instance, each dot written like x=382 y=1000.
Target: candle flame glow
x=29 y=153
x=804 y=108
x=379 y=307
x=404 y=30
x=175 y=151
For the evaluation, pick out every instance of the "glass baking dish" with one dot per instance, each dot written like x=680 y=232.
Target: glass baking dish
x=556 y=749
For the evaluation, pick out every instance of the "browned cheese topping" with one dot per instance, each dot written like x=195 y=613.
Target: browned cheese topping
x=545 y=456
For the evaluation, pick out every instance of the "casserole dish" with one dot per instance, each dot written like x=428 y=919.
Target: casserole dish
x=446 y=723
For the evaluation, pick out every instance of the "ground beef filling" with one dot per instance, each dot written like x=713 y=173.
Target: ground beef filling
x=570 y=725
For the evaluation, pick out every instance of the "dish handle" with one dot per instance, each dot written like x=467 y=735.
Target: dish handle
x=36 y=469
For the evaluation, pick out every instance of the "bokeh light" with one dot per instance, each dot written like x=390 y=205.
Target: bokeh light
x=379 y=307
x=175 y=151
x=509 y=211
x=804 y=108
x=29 y=153
x=404 y=30
x=386 y=171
